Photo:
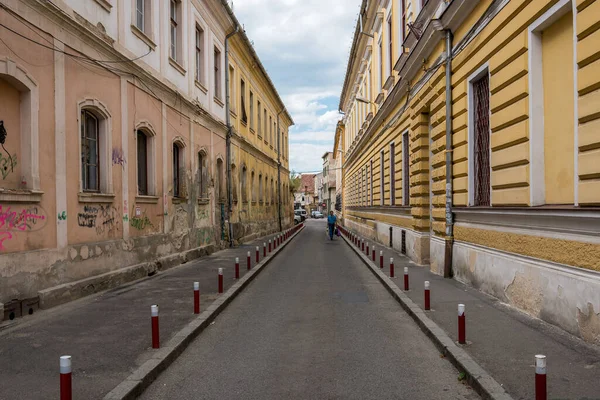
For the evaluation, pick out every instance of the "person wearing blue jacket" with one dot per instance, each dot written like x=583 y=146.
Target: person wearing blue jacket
x=331 y=220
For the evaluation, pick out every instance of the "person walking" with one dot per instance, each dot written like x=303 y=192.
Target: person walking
x=331 y=220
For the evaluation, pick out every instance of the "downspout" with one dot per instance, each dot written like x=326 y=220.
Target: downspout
x=228 y=138
x=449 y=240
x=279 y=172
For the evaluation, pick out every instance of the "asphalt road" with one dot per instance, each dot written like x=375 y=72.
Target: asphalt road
x=316 y=324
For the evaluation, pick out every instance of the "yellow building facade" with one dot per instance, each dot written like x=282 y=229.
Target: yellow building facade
x=472 y=144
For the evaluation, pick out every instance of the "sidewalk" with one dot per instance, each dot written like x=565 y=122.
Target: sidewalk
x=502 y=340
x=108 y=334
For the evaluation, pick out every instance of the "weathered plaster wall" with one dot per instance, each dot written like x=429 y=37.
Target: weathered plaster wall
x=566 y=297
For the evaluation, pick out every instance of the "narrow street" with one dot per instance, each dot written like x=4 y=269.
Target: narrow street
x=315 y=325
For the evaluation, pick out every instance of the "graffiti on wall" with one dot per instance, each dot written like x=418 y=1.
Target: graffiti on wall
x=118 y=158
x=205 y=236
x=7 y=164
x=140 y=220
x=105 y=219
x=18 y=219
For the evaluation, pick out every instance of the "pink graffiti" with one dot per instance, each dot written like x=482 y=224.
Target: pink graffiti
x=21 y=221
x=4 y=236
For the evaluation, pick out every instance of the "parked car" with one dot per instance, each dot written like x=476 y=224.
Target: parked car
x=297 y=219
x=301 y=214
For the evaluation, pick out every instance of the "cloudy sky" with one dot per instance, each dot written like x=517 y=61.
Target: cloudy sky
x=304 y=46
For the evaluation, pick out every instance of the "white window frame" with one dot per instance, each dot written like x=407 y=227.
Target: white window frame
x=392 y=162
x=474 y=77
x=147 y=128
x=537 y=185
x=174 y=30
x=99 y=109
x=382 y=176
x=199 y=52
x=405 y=169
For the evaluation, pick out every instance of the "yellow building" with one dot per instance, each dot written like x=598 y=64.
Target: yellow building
x=259 y=146
x=472 y=144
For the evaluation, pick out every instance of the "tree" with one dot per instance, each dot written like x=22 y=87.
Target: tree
x=295 y=182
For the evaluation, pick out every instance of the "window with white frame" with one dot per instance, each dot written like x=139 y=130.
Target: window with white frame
x=217 y=67
x=259 y=119
x=382 y=177
x=199 y=53
x=251 y=110
x=479 y=139
x=145 y=162
x=405 y=170
x=143 y=16
x=392 y=174
x=175 y=30
x=381 y=66
x=232 y=95
x=390 y=46
x=244 y=116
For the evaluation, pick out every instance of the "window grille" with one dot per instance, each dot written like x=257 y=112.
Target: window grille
x=481 y=162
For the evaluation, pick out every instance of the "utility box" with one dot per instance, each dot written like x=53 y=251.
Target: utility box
x=29 y=306
x=12 y=310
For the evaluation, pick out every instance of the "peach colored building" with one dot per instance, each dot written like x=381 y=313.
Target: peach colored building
x=114 y=130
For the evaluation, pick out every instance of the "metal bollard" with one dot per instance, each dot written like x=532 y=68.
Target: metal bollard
x=391 y=267
x=461 y=324
x=368 y=250
x=196 y=297
x=264 y=249
x=373 y=253
x=66 y=386
x=406 y=278
x=249 y=262
x=381 y=259
x=257 y=255
x=427 y=297
x=269 y=245
x=237 y=268
x=540 y=378
x=155 y=330
x=220 y=280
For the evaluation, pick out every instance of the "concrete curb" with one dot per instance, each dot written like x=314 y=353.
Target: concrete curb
x=139 y=380
x=476 y=376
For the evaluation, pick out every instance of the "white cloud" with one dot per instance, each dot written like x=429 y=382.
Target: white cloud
x=306 y=157
x=304 y=46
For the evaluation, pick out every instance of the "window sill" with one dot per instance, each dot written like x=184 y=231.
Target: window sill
x=389 y=83
x=104 y=4
x=20 y=196
x=271 y=147
x=143 y=199
x=178 y=200
x=259 y=136
x=203 y=201
x=143 y=37
x=245 y=123
x=86 y=197
x=233 y=113
x=252 y=131
x=177 y=66
x=200 y=86
x=379 y=98
x=219 y=101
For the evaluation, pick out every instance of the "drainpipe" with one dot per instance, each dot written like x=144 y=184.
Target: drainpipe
x=229 y=134
x=449 y=217
x=278 y=133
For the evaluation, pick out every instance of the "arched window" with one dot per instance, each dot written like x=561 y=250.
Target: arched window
x=244 y=184
x=220 y=180
x=234 y=183
x=253 y=187
x=95 y=140
x=178 y=170
x=145 y=152
x=202 y=175
x=260 y=188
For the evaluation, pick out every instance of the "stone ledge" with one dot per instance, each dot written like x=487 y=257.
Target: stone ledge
x=70 y=291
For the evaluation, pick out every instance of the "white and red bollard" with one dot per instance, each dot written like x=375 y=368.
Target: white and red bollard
x=368 y=253
x=427 y=297
x=264 y=249
x=406 y=278
x=269 y=246
x=540 y=378
x=237 y=268
x=220 y=280
x=249 y=262
x=196 y=297
x=381 y=259
x=155 y=330
x=257 y=255
x=462 y=334
x=363 y=245
x=373 y=253
x=391 y=267
x=66 y=387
